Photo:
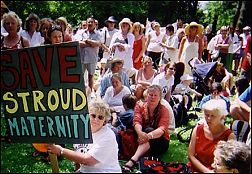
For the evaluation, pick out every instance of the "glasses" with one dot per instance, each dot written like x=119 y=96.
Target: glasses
x=100 y=117
x=172 y=69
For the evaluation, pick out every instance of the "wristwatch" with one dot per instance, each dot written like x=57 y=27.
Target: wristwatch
x=61 y=151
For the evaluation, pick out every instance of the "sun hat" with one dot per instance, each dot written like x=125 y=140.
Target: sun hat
x=247 y=28
x=200 y=28
x=3 y=5
x=186 y=77
x=156 y=24
x=126 y=20
x=63 y=20
x=117 y=60
x=111 y=19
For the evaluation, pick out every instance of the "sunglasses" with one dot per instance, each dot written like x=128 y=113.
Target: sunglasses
x=172 y=69
x=56 y=27
x=100 y=117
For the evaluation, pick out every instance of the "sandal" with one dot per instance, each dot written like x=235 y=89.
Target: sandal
x=126 y=168
x=36 y=153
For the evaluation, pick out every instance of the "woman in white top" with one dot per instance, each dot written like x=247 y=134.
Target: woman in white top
x=122 y=45
x=191 y=45
x=114 y=94
x=166 y=80
x=107 y=34
x=102 y=155
x=153 y=44
x=31 y=31
x=144 y=77
x=170 y=45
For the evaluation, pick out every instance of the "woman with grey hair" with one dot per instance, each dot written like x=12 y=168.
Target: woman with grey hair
x=205 y=136
x=232 y=157
x=102 y=155
x=12 y=23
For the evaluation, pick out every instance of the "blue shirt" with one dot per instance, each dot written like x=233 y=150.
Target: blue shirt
x=106 y=81
x=209 y=97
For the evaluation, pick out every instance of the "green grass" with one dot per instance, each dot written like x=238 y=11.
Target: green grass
x=17 y=157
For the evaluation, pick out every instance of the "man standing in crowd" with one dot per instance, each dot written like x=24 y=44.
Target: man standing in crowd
x=89 y=46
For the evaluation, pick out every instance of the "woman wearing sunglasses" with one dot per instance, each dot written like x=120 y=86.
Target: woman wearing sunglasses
x=102 y=155
x=166 y=80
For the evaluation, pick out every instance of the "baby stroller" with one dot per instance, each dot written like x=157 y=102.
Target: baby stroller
x=201 y=73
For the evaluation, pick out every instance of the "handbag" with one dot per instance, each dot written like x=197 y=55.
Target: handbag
x=215 y=54
x=152 y=164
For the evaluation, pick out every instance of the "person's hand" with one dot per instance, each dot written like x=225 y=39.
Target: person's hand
x=136 y=60
x=56 y=149
x=143 y=138
x=120 y=47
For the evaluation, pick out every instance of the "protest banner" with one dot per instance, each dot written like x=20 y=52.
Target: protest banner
x=43 y=94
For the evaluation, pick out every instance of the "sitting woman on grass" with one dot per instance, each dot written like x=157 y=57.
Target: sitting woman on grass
x=102 y=155
x=150 y=123
x=114 y=94
x=205 y=136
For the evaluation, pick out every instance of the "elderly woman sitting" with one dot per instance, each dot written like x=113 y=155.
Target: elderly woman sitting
x=102 y=155
x=232 y=157
x=114 y=94
x=205 y=136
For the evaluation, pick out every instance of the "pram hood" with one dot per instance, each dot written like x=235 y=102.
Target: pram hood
x=204 y=70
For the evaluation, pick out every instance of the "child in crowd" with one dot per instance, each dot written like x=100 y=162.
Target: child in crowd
x=182 y=90
x=124 y=120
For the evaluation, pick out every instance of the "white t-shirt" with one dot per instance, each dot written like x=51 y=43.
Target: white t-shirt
x=182 y=89
x=104 y=149
x=35 y=40
x=128 y=43
x=166 y=85
x=115 y=101
x=154 y=45
x=171 y=41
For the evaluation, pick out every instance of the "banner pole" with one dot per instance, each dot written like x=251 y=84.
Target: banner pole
x=54 y=163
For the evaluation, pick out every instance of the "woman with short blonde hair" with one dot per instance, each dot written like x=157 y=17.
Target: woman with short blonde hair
x=206 y=135
x=101 y=156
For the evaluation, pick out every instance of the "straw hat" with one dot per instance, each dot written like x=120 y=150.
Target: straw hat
x=117 y=60
x=156 y=24
x=200 y=28
x=63 y=20
x=126 y=20
x=3 y=5
x=186 y=77
x=247 y=28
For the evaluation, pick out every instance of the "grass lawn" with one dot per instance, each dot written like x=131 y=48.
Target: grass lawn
x=17 y=157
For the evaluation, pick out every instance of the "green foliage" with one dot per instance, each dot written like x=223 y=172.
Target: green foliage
x=224 y=10
x=75 y=11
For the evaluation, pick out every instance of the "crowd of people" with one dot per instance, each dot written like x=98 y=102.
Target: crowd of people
x=139 y=74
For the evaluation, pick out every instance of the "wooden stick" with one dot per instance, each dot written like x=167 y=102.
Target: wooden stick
x=54 y=163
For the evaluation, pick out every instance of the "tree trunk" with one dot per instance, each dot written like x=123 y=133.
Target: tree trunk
x=215 y=24
x=244 y=17
x=237 y=14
